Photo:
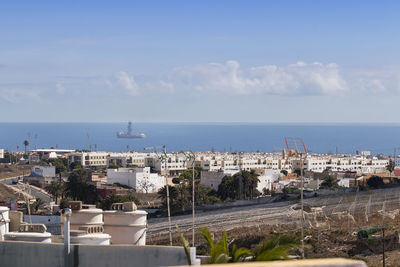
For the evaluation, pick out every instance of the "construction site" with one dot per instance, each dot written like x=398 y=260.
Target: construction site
x=360 y=225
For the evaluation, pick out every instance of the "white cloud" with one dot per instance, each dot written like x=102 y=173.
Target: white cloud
x=127 y=82
x=295 y=79
x=169 y=87
x=60 y=88
x=15 y=96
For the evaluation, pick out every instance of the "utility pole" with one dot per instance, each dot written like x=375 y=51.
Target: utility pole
x=192 y=157
x=167 y=187
x=163 y=158
x=193 y=199
x=383 y=232
x=302 y=204
x=240 y=178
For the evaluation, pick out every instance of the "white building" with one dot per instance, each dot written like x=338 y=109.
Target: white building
x=267 y=179
x=41 y=175
x=175 y=164
x=138 y=178
x=89 y=159
x=211 y=179
x=134 y=159
x=360 y=164
x=1 y=153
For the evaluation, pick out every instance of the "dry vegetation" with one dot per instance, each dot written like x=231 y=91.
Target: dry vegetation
x=331 y=223
x=7 y=171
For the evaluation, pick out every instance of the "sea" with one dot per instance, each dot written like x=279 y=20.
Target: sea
x=222 y=137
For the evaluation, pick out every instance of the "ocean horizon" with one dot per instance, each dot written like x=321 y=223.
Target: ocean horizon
x=203 y=136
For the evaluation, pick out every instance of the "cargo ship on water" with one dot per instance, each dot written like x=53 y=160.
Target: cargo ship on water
x=130 y=133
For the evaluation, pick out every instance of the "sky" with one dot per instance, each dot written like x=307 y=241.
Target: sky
x=200 y=61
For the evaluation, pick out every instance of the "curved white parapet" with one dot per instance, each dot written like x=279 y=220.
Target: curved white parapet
x=135 y=235
x=91 y=239
x=4 y=221
x=126 y=227
x=116 y=217
x=84 y=217
x=28 y=236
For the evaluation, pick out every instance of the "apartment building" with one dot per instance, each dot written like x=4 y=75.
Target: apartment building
x=135 y=159
x=350 y=163
x=175 y=164
x=89 y=159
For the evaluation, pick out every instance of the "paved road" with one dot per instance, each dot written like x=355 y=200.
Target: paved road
x=282 y=212
x=32 y=190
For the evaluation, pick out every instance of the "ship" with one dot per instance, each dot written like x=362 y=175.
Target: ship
x=130 y=133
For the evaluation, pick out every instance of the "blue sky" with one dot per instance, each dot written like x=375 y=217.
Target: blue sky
x=200 y=61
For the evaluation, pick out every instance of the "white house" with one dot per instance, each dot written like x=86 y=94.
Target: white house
x=267 y=179
x=138 y=178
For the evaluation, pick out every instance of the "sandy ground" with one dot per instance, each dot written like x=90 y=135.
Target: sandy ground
x=331 y=225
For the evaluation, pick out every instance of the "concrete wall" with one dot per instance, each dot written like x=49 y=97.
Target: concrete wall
x=21 y=254
x=52 y=222
x=211 y=179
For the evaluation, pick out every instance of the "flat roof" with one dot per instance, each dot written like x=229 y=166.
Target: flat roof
x=53 y=150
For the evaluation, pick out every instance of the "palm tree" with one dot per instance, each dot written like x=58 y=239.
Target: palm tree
x=26 y=144
x=219 y=252
x=55 y=189
x=274 y=248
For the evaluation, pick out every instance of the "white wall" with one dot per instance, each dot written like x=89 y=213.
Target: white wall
x=266 y=180
x=138 y=178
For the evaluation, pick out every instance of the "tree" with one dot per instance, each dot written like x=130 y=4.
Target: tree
x=390 y=167
x=266 y=192
x=106 y=203
x=77 y=188
x=10 y=156
x=181 y=194
x=55 y=189
x=219 y=252
x=145 y=185
x=114 y=166
x=75 y=165
x=329 y=182
x=26 y=144
x=275 y=248
x=173 y=195
x=375 y=182
x=61 y=165
x=284 y=172
x=229 y=188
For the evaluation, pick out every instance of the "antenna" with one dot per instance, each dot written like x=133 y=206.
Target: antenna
x=88 y=140
x=36 y=136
